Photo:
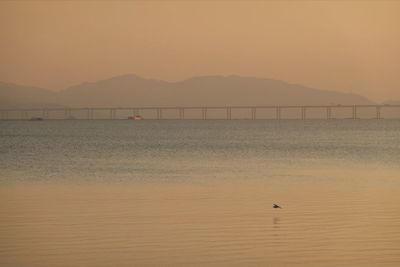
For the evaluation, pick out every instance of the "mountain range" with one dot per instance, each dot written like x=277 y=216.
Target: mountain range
x=134 y=91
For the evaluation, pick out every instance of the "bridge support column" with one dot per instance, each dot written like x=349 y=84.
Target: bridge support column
x=253 y=113
x=378 y=112
x=181 y=113
x=303 y=113
x=45 y=113
x=354 y=112
x=278 y=113
x=159 y=114
x=90 y=113
x=228 y=113
x=113 y=113
x=204 y=113
x=328 y=113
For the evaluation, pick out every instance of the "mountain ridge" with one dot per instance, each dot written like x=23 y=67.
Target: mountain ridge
x=211 y=90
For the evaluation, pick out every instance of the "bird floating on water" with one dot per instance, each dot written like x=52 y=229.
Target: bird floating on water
x=276 y=206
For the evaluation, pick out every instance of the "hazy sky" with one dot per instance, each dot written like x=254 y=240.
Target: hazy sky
x=341 y=45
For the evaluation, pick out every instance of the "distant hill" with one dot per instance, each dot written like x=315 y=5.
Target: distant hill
x=131 y=90
x=18 y=96
x=392 y=102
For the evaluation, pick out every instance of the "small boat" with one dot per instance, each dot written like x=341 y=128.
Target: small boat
x=136 y=118
x=36 y=119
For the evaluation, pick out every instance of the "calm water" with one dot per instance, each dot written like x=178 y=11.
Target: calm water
x=151 y=193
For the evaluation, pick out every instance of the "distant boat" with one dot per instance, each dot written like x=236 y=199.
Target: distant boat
x=136 y=118
x=36 y=119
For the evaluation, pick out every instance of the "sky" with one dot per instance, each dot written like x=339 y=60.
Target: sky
x=348 y=46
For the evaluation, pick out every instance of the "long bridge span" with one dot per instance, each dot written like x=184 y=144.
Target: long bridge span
x=302 y=112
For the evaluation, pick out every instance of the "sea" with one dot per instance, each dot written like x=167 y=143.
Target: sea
x=200 y=193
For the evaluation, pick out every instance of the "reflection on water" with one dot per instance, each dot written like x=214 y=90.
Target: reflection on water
x=333 y=224
x=71 y=194
x=275 y=222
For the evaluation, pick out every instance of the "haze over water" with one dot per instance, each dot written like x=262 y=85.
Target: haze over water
x=151 y=193
x=77 y=189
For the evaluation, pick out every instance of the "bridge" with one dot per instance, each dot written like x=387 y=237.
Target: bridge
x=302 y=112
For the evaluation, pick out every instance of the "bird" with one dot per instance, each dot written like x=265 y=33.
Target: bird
x=276 y=206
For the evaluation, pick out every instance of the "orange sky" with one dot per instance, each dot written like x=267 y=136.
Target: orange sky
x=344 y=46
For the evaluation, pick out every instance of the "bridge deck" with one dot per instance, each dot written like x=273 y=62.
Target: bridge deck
x=304 y=111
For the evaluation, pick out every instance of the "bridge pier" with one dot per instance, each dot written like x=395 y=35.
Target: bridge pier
x=204 y=113
x=113 y=113
x=181 y=113
x=159 y=113
x=354 y=112
x=45 y=114
x=278 y=113
x=303 y=113
x=328 y=113
x=228 y=113
x=253 y=113
x=378 y=112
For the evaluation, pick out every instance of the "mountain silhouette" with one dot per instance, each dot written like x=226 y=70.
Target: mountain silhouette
x=19 y=96
x=134 y=91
